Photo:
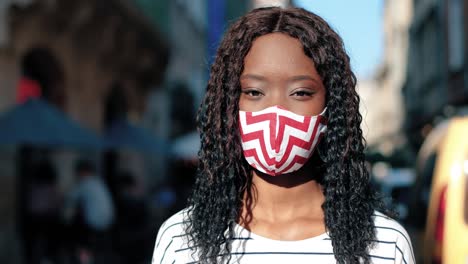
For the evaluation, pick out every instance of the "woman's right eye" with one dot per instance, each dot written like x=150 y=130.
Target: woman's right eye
x=252 y=93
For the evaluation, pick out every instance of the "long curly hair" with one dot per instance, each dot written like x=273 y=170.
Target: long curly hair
x=224 y=178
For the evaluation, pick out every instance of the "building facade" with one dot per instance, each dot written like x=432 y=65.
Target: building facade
x=381 y=95
x=436 y=85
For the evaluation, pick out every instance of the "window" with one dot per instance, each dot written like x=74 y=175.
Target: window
x=455 y=34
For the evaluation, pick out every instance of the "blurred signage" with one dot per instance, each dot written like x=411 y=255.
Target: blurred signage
x=197 y=11
x=216 y=22
x=264 y=3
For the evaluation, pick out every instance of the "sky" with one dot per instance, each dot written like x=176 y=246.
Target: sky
x=359 y=23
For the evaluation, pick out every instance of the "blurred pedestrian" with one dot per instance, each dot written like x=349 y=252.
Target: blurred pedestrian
x=133 y=228
x=182 y=178
x=43 y=202
x=89 y=209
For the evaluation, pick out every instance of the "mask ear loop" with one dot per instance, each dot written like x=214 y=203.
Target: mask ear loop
x=322 y=148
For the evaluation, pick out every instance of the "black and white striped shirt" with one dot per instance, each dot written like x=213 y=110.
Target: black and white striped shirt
x=393 y=245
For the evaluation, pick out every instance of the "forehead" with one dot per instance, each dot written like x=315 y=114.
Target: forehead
x=278 y=53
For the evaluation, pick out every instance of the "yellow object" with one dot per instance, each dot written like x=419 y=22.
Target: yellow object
x=451 y=172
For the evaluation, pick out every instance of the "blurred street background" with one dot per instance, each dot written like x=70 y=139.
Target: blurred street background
x=97 y=118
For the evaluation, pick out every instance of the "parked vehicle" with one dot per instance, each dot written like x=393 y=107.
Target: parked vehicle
x=439 y=208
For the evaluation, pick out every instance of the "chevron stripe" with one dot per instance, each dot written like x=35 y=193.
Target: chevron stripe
x=277 y=141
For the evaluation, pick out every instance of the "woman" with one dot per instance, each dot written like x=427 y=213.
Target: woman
x=281 y=87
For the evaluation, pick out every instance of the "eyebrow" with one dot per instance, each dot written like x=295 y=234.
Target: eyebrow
x=292 y=79
x=253 y=76
x=303 y=78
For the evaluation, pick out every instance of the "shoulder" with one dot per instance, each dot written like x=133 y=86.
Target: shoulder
x=173 y=226
x=391 y=234
x=171 y=237
x=387 y=228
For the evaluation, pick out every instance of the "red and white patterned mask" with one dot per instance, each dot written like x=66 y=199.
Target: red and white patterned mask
x=277 y=141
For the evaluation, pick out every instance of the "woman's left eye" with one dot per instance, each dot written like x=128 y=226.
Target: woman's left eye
x=302 y=93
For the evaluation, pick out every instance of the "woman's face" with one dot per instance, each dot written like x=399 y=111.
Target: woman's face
x=277 y=72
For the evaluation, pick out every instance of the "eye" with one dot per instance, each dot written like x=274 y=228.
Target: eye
x=302 y=93
x=252 y=92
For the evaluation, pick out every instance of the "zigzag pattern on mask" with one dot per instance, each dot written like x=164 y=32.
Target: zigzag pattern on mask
x=277 y=141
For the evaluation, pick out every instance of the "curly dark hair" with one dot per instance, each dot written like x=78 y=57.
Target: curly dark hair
x=224 y=178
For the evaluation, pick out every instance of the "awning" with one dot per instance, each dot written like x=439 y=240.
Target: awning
x=36 y=122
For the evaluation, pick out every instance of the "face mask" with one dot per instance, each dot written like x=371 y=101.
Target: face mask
x=277 y=141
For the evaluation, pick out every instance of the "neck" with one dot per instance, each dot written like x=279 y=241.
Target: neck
x=283 y=197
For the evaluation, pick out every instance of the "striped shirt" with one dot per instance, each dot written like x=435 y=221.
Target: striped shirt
x=392 y=245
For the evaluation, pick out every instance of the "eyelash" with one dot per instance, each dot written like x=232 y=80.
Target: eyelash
x=251 y=91
x=304 y=93
x=256 y=93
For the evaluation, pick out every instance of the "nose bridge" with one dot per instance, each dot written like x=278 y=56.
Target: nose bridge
x=277 y=97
